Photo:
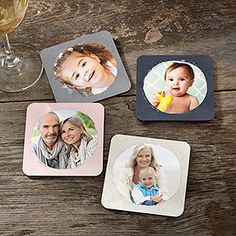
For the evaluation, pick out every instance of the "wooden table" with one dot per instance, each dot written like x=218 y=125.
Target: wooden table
x=71 y=206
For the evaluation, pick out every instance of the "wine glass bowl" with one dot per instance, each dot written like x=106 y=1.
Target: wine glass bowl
x=11 y=14
x=20 y=63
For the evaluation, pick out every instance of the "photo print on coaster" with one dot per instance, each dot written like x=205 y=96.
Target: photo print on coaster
x=174 y=88
x=86 y=69
x=146 y=175
x=64 y=139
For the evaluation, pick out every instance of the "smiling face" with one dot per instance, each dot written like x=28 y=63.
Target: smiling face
x=49 y=129
x=178 y=81
x=148 y=180
x=144 y=158
x=84 y=71
x=70 y=133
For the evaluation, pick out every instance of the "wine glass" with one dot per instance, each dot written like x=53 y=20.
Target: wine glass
x=20 y=63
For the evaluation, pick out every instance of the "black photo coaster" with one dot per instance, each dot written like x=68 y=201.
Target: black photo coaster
x=153 y=75
x=85 y=69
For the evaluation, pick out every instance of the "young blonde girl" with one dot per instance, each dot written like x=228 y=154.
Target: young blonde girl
x=147 y=192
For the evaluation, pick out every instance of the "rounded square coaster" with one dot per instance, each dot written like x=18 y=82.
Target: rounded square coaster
x=146 y=175
x=85 y=69
x=174 y=88
x=64 y=139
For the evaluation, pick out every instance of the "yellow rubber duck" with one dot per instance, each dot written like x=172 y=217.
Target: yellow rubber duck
x=165 y=100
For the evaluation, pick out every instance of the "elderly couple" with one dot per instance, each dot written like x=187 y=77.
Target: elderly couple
x=65 y=144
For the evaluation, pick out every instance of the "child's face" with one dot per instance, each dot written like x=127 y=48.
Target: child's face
x=148 y=180
x=83 y=71
x=144 y=158
x=178 y=81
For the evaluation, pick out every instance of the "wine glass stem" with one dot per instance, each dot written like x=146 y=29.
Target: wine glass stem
x=10 y=60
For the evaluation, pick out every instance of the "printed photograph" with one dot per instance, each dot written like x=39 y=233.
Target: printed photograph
x=85 y=69
x=147 y=174
x=64 y=139
x=89 y=69
x=175 y=87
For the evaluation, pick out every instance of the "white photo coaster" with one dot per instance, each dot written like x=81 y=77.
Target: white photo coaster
x=171 y=161
x=64 y=139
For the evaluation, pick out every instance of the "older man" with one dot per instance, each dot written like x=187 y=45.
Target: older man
x=50 y=149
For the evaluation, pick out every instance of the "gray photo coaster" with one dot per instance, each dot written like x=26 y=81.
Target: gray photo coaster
x=86 y=69
x=174 y=88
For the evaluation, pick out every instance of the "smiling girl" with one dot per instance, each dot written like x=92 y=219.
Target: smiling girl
x=147 y=192
x=87 y=68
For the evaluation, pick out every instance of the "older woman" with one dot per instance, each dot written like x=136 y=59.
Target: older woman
x=81 y=145
x=142 y=157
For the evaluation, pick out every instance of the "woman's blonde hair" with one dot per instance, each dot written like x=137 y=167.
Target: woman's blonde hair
x=76 y=121
x=132 y=160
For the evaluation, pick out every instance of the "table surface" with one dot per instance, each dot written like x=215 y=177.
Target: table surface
x=72 y=205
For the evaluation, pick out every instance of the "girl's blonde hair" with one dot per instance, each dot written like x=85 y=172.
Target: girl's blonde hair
x=132 y=160
x=147 y=170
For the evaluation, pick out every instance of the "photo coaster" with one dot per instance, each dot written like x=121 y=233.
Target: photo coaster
x=64 y=139
x=164 y=161
x=174 y=88
x=86 y=69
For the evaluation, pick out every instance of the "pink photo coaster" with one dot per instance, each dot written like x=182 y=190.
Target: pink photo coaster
x=94 y=112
